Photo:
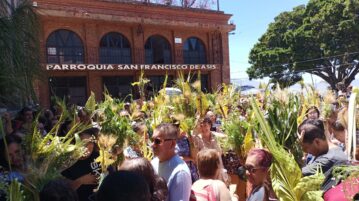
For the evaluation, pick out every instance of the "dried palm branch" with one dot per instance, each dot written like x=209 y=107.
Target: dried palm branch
x=105 y=144
x=308 y=98
x=327 y=104
x=141 y=85
x=312 y=95
x=147 y=151
x=226 y=100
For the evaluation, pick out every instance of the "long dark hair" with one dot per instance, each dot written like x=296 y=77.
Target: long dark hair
x=124 y=185
x=142 y=166
x=58 y=190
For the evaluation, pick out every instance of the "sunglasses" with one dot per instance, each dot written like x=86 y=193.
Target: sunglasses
x=159 y=141
x=252 y=169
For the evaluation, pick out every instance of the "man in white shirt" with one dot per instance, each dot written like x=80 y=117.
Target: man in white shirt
x=168 y=164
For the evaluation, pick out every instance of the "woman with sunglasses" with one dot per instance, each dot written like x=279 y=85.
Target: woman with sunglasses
x=257 y=172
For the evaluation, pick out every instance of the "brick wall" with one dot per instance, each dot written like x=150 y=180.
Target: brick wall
x=91 y=20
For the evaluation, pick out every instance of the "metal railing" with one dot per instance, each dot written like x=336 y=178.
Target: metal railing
x=196 y=4
x=115 y=55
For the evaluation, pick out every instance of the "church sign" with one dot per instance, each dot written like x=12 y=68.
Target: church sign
x=121 y=67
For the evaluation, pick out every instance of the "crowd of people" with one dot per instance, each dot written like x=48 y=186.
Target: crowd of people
x=185 y=166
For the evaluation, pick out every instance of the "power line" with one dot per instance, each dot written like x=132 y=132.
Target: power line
x=305 y=70
x=309 y=60
x=312 y=69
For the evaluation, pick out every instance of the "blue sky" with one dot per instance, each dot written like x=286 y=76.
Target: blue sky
x=252 y=18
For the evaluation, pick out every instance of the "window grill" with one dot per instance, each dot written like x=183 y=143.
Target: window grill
x=194 y=51
x=64 y=47
x=157 y=51
x=115 y=49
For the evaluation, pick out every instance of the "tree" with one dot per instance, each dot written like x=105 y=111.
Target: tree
x=187 y=3
x=203 y=4
x=19 y=55
x=321 y=38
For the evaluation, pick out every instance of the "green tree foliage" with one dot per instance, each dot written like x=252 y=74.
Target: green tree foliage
x=19 y=52
x=321 y=38
x=202 y=4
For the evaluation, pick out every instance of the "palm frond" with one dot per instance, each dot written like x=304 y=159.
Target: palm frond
x=20 y=52
x=285 y=172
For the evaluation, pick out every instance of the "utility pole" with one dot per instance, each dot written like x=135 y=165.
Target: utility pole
x=217 y=5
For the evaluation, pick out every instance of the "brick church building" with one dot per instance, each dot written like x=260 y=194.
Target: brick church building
x=90 y=45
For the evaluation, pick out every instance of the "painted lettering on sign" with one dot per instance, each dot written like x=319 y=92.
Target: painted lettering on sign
x=111 y=67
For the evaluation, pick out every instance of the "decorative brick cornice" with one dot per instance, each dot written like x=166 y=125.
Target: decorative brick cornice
x=135 y=13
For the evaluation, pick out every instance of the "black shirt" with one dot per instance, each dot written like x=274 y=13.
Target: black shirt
x=81 y=168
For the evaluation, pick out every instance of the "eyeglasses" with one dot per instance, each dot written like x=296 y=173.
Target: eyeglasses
x=252 y=169
x=159 y=141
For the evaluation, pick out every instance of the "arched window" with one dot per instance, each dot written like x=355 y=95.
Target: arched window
x=115 y=49
x=64 y=46
x=158 y=50
x=194 y=51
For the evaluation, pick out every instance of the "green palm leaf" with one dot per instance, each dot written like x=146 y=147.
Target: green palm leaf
x=285 y=172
